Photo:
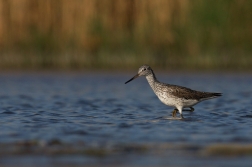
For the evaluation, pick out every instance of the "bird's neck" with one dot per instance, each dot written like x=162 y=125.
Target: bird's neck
x=151 y=78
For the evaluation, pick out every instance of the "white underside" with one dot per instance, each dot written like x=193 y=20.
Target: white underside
x=178 y=102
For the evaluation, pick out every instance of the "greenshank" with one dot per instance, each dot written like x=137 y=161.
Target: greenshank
x=173 y=95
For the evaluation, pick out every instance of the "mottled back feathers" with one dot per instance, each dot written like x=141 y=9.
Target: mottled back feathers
x=186 y=93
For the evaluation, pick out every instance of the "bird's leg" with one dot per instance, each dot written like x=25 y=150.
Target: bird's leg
x=191 y=109
x=174 y=112
x=181 y=115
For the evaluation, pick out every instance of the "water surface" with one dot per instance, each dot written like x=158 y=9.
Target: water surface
x=98 y=111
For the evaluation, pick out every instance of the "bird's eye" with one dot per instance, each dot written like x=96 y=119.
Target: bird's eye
x=144 y=69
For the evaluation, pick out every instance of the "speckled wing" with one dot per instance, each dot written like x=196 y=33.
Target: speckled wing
x=186 y=93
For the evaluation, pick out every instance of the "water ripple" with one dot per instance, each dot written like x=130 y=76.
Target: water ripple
x=76 y=108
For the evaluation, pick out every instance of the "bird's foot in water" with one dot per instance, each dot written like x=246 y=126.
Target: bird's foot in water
x=174 y=113
x=191 y=109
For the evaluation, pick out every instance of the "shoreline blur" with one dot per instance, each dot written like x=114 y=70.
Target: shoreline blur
x=107 y=35
x=122 y=62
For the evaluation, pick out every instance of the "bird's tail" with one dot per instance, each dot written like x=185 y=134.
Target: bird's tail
x=211 y=96
x=216 y=94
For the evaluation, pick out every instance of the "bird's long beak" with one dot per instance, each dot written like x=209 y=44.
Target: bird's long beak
x=132 y=78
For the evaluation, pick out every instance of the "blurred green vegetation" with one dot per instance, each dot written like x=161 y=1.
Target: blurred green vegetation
x=93 y=34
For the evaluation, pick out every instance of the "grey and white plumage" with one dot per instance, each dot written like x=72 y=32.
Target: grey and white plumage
x=173 y=95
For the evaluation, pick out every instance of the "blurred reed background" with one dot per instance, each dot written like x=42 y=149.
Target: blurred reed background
x=124 y=34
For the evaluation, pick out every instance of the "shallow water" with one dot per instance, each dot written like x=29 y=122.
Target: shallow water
x=99 y=110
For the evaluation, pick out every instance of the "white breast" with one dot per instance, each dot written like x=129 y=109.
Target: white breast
x=168 y=100
x=174 y=101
